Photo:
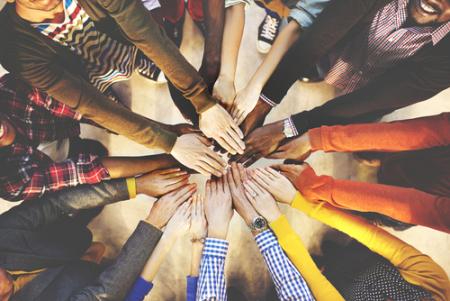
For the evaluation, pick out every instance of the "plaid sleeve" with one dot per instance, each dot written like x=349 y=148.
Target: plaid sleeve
x=38 y=180
x=56 y=108
x=288 y=281
x=211 y=283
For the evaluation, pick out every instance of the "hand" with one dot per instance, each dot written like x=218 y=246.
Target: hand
x=178 y=225
x=296 y=149
x=193 y=151
x=275 y=183
x=159 y=182
x=164 y=208
x=262 y=142
x=291 y=171
x=225 y=92
x=198 y=228
x=244 y=103
x=216 y=123
x=256 y=117
x=262 y=201
x=218 y=207
x=235 y=177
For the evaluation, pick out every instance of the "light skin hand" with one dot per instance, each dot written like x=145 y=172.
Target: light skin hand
x=179 y=223
x=278 y=185
x=244 y=103
x=218 y=208
x=235 y=177
x=199 y=226
x=164 y=208
x=262 y=201
x=225 y=91
x=297 y=149
x=192 y=150
x=217 y=124
x=291 y=171
x=160 y=182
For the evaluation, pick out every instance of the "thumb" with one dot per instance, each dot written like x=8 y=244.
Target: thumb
x=280 y=167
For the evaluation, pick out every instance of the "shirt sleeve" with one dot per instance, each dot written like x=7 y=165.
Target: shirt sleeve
x=87 y=169
x=412 y=134
x=56 y=108
x=191 y=288
x=211 y=282
x=294 y=248
x=404 y=204
x=289 y=283
x=139 y=290
x=414 y=266
x=305 y=12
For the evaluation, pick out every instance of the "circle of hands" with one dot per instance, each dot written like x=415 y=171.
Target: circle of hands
x=251 y=192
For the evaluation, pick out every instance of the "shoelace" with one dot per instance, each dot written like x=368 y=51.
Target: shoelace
x=270 y=27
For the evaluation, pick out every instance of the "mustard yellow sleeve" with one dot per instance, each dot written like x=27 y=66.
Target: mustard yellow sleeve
x=294 y=248
x=131 y=185
x=415 y=267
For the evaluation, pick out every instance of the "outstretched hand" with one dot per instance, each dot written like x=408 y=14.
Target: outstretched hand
x=198 y=228
x=296 y=149
x=291 y=171
x=218 y=207
x=160 y=182
x=262 y=201
x=278 y=185
x=179 y=223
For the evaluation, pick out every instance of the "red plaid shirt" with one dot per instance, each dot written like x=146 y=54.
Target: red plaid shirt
x=26 y=172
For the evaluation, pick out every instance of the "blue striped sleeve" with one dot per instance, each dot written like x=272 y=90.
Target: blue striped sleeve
x=288 y=281
x=211 y=282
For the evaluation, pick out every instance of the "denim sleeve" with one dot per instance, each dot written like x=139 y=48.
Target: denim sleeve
x=140 y=289
x=191 y=288
x=306 y=11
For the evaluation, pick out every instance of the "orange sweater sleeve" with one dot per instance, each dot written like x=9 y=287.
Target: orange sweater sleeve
x=419 y=133
x=414 y=266
x=404 y=204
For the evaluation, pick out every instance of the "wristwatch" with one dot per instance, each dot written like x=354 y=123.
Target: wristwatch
x=259 y=224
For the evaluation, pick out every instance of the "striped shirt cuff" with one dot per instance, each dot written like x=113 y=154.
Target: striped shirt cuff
x=267 y=100
x=215 y=247
x=266 y=240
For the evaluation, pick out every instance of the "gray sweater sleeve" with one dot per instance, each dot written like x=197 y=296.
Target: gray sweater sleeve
x=115 y=281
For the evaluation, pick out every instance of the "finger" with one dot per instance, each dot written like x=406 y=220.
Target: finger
x=237 y=138
x=168 y=171
x=175 y=186
x=234 y=177
x=249 y=152
x=186 y=192
x=210 y=170
x=217 y=158
x=272 y=171
x=226 y=185
x=241 y=117
x=226 y=145
x=217 y=168
x=252 y=159
x=204 y=140
x=208 y=190
x=230 y=181
x=173 y=174
x=201 y=170
x=214 y=186
x=250 y=198
x=171 y=181
x=258 y=189
x=280 y=167
x=250 y=189
x=271 y=176
x=262 y=180
x=277 y=155
x=238 y=131
x=194 y=204
x=242 y=172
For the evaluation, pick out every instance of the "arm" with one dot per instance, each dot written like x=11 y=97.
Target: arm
x=424 y=132
x=211 y=282
x=224 y=88
x=214 y=12
x=289 y=283
x=404 y=204
x=30 y=180
x=414 y=266
x=192 y=279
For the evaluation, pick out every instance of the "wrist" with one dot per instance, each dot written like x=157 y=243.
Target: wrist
x=141 y=187
x=273 y=216
x=218 y=232
x=154 y=221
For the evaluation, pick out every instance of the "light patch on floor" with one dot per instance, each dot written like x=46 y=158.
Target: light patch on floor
x=245 y=267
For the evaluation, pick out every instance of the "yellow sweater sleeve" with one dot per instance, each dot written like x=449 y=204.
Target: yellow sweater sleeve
x=294 y=248
x=414 y=266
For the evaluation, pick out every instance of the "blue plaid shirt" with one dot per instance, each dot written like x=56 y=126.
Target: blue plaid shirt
x=289 y=283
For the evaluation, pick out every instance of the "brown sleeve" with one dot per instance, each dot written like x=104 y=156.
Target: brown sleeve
x=419 y=133
x=141 y=29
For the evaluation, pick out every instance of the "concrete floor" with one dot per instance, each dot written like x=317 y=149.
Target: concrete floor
x=245 y=267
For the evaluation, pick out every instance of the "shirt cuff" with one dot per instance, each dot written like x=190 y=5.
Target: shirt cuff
x=140 y=289
x=289 y=128
x=132 y=189
x=267 y=100
x=215 y=247
x=315 y=138
x=266 y=240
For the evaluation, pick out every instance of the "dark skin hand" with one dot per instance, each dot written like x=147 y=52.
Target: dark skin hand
x=262 y=142
x=256 y=117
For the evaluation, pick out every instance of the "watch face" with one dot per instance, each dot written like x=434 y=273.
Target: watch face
x=259 y=223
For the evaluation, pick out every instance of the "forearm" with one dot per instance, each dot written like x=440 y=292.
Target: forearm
x=232 y=36
x=196 y=257
x=404 y=204
x=287 y=37
x=157 y=258
x=122 y=167
x=419 y=133
x=214 y=12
